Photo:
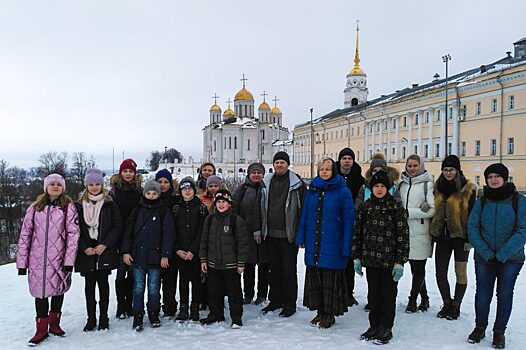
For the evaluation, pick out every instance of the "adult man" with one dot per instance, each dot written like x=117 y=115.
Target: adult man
x=282 y=197
x=352 y=173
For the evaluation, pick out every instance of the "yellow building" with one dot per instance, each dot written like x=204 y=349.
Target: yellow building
x=485 y=123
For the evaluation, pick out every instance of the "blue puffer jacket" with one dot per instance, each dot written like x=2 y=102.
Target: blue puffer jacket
x=326 y=224
x=491 y=231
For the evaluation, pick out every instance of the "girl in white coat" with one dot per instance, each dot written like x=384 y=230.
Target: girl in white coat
x=416 y=194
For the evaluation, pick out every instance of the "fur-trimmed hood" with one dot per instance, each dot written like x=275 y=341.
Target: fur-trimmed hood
x=117 y=181
x=392 y=172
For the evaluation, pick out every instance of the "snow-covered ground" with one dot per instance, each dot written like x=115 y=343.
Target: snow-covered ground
x=411 y=331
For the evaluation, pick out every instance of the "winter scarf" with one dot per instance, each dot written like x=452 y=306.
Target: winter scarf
x=499 y=194
x=91 y=209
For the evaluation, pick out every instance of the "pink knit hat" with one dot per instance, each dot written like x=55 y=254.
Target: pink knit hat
x=54 y=177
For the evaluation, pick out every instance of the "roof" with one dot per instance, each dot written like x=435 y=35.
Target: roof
x=520 y=41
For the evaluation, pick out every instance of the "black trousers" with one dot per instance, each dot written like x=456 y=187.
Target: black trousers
x=349 y=273
x=42 y=305
x=189 y=272
x=249 y=280
x=91 y=280
x=283 y=272
x=382 y=296
x=418 y=286
x=443 y=251
x=169 y=287
x=221 y=282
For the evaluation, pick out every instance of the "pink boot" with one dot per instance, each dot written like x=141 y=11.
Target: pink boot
x=41 y=333
x=54 y=324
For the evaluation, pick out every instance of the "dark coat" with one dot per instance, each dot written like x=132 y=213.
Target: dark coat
x=149 y=234
x=381 y=233
x=326 y=225
x=246 y=202
x=222 y=246
x=110 y=234
x=126 y=195
x=354 y=180
x=189 y=220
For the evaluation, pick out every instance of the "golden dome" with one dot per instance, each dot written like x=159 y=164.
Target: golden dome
x=215 y=107
x=264 y=105
x=244 y=94
x=229 y=113
x=275 y=110
x=356 y=71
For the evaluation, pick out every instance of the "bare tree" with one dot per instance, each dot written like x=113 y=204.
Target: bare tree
x=154 y=160
x=52 y=162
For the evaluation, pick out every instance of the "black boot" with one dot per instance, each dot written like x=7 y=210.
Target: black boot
x=499 y=341
x=477 y=335
x=194 y=312
x=153 y=316
x=383 y=336
x=445 y=309
x=104 y=323
x=183 y=313
x=236 y=322
x=370 y=333
x=90 y=325
x=210 y=319
x=138 y=321
x=352 y=301
x=411 y=306
x=287 y=311
x=270 y=307
x=424 y=305
x=454 y=312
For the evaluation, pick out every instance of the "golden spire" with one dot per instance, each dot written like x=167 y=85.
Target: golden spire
x=356 y=69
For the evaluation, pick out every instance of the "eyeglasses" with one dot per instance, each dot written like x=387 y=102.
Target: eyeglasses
x=449 y=170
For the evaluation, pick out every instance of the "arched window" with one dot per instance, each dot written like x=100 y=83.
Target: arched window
x=354 y=102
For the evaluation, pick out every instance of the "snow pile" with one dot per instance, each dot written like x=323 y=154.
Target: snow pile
x=411 y=331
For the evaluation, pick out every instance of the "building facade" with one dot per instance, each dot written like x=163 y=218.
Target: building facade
x=484 y=122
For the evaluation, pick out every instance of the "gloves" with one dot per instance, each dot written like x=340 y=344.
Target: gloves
x=398 y=272
x=67 y=268
x=425 y=206
x=22 y=272
x=358 y=267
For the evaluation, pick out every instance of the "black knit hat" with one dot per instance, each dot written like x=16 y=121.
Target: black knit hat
x=281 y=155
x=346 y=152
x=223 y=195
x=497 y=168
x=451 y=161
x=380 y=177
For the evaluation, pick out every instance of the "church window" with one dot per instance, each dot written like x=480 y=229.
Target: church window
x=224 y=144
x=215 y=146
x=229 y=142
x=354 y=102
x=235 y=142
x=248 y=145
x=246 y=113
x=262 y=134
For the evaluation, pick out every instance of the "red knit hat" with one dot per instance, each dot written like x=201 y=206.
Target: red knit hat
x=128 y=164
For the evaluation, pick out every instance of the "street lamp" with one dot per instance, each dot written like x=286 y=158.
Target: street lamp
x=446 y=59
x=311 y=145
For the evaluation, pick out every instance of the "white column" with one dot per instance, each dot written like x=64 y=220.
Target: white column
x=420 y=121
x=397 y=138
x=366 y=141
x=442 y=131
x=431 y=138
x=373 y=127
x=381 y=135
x=410 y=117
x=454 y=145
x=388 y=155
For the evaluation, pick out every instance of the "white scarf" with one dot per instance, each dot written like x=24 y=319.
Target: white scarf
x=91 y=209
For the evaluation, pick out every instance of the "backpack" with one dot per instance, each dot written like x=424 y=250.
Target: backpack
x=514 y=204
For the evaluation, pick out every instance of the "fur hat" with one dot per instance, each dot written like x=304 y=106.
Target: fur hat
x=380 y=177
x=346 y=152
x=281 y=155
x=54 y=178
x=213 y=179
x=378 y=161
x=223 y=195
x=451 y=161
x=256 y=166
x=128 y=164
x=187 y=181
x=497 y=168
x=93 y=176
x=164 y=173
x=151 y=185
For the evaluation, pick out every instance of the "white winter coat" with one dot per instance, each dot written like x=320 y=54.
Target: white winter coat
x=412 y=195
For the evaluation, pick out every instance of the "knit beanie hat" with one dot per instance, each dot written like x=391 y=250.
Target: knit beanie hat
x=187 y=181
x=256 y=166
x=128 y=164
x=281 y=155
x=378 y=161
x=152 y=185
x=223 y=195
x=213 y=179
x=54 y=178
x=451 y=161
x=380 y=177
x=93 y=176
x=346 y=152
x=164 y=173
x=497 y=168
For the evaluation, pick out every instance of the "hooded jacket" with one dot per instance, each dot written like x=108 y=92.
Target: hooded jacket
x=365 y=191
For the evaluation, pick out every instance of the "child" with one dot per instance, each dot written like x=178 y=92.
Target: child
x=213 y=184
x=147 y=244
x=224 y=251
x=381 y=244
x=100 y=232
x=190 y=215
x=126 y=191
x=48 y=247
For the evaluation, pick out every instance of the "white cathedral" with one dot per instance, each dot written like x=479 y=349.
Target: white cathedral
x=356 y=90
x=236 y=138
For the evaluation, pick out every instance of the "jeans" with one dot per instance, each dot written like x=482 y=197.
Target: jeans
x=486 y=274
x=154 y=286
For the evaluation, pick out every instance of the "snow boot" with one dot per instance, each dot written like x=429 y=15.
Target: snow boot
x=327 y=321
x=411 y=306
x=454 y=312
x=54 y=324
x=499 y=341
x=104 y=323
x=367 y=308
x=153 y=316
x=424 y=305
x=477 y=335
x=236 y=323
x=314 y=322
x=138 y=321
x=370 y=333
x=287 y=311
x=91 y=324
x=194 y=312
x=210 y=319
x=270 y=307
x=247 y=300
x=260 y=300
x=183 y=313
x=42 y=324
x=383 y=336
x=445 y=309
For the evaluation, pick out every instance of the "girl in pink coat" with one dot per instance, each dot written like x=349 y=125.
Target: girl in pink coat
x=47 y=249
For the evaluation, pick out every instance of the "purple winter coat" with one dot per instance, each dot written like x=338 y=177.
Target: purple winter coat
x=48 y=243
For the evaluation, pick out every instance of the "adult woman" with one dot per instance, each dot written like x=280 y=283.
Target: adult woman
x=325 y=230
x=207 y=169
x=454 y=198
x=416 y=194
x=497 y=231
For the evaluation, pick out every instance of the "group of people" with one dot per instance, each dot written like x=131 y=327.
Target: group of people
x=199 y=233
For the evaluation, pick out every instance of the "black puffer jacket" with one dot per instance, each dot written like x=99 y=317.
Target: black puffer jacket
x=381 y=233
x=189 y=220
x=126 y=195
x=222 y=246
x=110 y=233
x=354 y=179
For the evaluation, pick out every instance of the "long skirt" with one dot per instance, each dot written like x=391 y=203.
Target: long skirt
x=326 y=290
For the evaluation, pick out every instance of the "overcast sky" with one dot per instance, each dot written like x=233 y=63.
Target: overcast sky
x=137 y=76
